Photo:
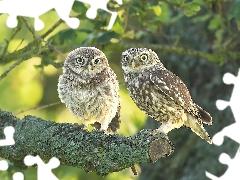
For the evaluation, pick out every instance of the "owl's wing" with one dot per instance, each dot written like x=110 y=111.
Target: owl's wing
x=173 y=87
x=114 y=125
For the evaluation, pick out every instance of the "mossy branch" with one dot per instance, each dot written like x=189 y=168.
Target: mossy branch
x=73 y=146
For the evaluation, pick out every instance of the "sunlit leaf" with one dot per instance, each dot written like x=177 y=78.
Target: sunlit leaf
x=164 y=17
x=117 y=27
x=157 y=10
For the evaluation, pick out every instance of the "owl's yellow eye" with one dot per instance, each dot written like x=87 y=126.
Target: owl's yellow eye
x=126 y=58
x=79 y=60
x=144 y=57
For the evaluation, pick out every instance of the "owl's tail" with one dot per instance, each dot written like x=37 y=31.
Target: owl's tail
x=198 y=128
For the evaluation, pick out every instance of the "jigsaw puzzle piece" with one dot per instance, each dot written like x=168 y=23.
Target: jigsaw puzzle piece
x=221 y=104
x=27 y=8
x=11 y=21
x=229 y=78
x=230 y=131
x=18 y=176
x=44 y=170
x=3 y=165
x=38 y=24
x=233 y=167
x=63 y=9
x=5 y=8
x=234 y=100
x=211 y=176
x=8 y=131
x=36 y=8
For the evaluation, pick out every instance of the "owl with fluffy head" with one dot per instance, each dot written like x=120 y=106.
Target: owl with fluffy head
x=161 y=94
x=89 y=88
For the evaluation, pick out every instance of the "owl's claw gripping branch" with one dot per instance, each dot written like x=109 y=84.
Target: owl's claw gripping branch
x=91 y=151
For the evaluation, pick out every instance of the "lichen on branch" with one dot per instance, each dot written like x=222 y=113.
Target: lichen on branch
x=73 y=146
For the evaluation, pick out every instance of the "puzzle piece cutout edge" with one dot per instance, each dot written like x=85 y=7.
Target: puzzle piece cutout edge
x=229 y=131
x=42 y=6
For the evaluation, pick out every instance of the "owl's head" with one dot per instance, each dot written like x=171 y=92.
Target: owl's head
x=86 y=60
x=136 y=59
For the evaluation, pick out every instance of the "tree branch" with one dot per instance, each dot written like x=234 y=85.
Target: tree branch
x=91 y=151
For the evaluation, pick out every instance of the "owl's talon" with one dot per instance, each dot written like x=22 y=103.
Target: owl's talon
x=83 y=127
x=159 y=132
x=98 y=131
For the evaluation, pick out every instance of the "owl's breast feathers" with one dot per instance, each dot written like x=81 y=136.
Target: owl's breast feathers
x=85 y=96
x=173 y=87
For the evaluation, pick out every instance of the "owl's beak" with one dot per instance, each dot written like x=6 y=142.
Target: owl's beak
x=133 y=63
x=89 y=66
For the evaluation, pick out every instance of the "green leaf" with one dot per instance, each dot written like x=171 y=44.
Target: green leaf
x=68 y=34
x=117 y=27
x=190 y=9
x=215 y=22
x=218 y=39
x=202 y=18
x=234 y=11
x=64 y=36
x=164 y=17
x=79 y=7
x=157 y=10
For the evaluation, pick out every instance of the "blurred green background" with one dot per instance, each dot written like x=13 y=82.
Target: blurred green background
x=210 y=28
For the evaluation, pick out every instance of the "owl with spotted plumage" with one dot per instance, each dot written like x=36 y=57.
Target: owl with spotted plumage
x=89 y=89
x=161 y=94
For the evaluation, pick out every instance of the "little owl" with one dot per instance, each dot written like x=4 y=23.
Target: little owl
x=89 y=88
x=161 y=94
